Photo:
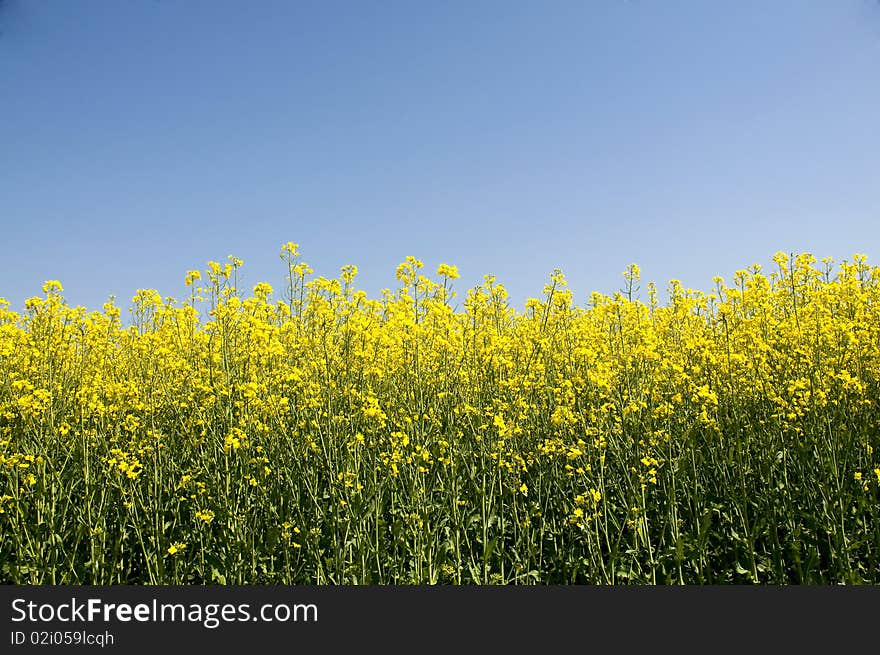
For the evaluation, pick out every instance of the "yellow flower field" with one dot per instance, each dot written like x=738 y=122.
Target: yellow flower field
x=311 y=434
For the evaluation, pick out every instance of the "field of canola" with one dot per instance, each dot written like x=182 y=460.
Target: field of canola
x=311 y=434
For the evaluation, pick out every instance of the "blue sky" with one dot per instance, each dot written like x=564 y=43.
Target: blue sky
x=141 y=139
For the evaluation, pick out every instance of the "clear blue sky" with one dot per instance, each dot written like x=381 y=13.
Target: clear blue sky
x=140 y=139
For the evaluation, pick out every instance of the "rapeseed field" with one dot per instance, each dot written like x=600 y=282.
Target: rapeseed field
x=310 y=434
